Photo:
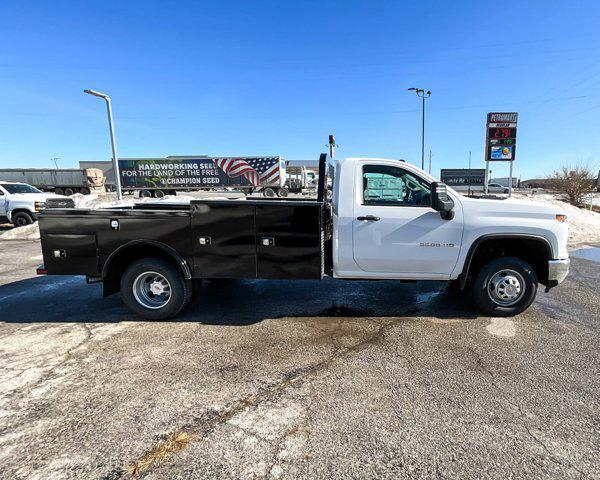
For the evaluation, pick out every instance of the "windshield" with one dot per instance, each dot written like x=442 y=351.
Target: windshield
x=19 y=188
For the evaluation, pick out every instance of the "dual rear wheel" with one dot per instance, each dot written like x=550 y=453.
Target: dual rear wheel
x=155 y=289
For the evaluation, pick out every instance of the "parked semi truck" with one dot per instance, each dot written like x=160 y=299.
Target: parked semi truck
x=373 y=219
x=65 y=181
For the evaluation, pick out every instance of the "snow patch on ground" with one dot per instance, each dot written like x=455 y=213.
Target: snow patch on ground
x=100 y=201
x=587 y=253
x=28 y=232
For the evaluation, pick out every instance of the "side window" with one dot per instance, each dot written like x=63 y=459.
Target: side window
x=386 y=185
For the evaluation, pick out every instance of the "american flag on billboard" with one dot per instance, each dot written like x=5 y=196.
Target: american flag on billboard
x=258 y=171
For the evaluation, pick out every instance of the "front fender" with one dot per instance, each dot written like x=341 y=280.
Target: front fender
x=464 y=265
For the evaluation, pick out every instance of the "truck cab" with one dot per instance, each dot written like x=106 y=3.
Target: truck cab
x=388 y=224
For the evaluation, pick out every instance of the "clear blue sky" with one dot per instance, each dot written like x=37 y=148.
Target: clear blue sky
x=248 y=78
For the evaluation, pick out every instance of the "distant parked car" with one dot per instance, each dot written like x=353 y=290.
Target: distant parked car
x=497 y=188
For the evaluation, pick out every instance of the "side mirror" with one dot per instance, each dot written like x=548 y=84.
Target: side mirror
x=441 y=201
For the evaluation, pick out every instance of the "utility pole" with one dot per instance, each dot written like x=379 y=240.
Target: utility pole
x=55 y=160
x=510 y=179
x=429 y=170
x=423 y=95
x=470 y=169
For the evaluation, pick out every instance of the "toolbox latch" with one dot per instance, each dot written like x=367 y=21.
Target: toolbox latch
x=267 y=241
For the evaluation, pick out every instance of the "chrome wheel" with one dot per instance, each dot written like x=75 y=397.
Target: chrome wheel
x=152 y=290
x=506 y=287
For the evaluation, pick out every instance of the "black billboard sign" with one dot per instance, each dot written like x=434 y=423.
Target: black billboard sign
x=191 y=173
x=501 y=136
x=463 y=177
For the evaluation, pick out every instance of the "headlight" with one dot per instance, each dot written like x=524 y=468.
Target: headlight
x=561 y=218
x=39 y=206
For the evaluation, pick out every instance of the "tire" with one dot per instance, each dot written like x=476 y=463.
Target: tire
x=137 y=289
x=59 y=191
x=20 y=219
x=145 y=193
x=269 y=192
x=158 y=194
x=85 y=191
x=494 y=288
x=69 y=192
x=283 y=192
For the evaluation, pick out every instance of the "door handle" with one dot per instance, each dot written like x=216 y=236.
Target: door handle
x=369 y=218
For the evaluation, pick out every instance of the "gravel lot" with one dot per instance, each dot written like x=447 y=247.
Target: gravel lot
x=296 y=380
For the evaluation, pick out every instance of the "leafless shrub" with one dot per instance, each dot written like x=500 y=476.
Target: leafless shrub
x=574 y=182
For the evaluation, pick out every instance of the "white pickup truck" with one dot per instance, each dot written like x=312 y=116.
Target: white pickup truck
x=21 y=203
x=373 y=219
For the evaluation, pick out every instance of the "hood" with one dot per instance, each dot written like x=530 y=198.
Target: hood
x=35 y=197
x=514 y=207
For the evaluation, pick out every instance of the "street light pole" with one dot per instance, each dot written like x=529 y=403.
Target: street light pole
x=423 y=94
x=113 y=142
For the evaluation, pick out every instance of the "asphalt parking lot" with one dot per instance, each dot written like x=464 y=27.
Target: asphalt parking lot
x=296 y=380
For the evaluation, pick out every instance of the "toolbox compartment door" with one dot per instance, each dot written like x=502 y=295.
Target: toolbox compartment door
x=224 y=240
x=288 y=240
x=70 y=254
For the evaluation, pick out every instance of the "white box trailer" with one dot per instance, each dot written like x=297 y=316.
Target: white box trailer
x=61 y=181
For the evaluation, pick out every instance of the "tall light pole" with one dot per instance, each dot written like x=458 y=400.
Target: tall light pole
x=112 y=139
x=423 y=94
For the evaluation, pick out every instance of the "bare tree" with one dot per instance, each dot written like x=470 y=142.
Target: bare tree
x=574 y=182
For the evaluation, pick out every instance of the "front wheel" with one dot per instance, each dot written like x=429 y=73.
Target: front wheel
x=21 y=219
x=505 y=287
x=155 y=289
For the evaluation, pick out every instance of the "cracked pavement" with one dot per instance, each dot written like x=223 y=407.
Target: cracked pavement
x=288 y=380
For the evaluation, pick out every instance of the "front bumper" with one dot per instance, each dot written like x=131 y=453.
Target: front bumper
x=557 y=272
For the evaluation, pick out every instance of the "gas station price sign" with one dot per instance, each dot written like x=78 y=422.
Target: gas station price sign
x=501 y=136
